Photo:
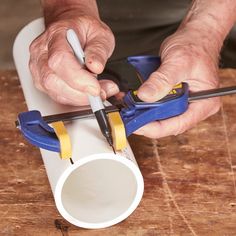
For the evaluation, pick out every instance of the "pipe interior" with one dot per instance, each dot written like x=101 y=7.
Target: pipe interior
x=99 y=191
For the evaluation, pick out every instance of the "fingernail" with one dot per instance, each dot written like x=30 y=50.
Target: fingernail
x=92 y=90
x=95 y=64
x=147 y=90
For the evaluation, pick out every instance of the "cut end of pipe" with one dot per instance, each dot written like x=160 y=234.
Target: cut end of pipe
x=111 y=187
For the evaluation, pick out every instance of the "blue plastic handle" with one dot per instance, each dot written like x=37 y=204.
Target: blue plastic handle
x=135 y=117
x=145 y=65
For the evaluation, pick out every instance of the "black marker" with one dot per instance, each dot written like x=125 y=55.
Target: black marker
x=95 y=101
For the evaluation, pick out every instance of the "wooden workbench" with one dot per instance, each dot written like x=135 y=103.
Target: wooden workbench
x=189 y=179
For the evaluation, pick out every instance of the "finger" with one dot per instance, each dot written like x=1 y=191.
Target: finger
x=109 y=87
x=159 y=84
x=62 y=93
x=62 y=61
x=59 y=99
x=35 y=75
x=44 y=72
x=35 y=65
x=120 y=96
x=97 y=51
x=196 y=112
x=38 y=48
x=58 y=89
x=80 y=99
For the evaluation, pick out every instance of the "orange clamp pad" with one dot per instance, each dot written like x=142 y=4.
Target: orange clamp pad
x=64 y=139
x=118 y=130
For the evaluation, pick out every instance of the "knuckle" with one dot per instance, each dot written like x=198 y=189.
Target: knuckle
x=77 y=81
x=52 y=29
x=183 y=56
x=35 y=45
x=109 y=40
x=32 y=65
x=54 y=60
x=159 y=78
x=55 y=27
x=106 y=32
x=38 y=85
x=189 y=55
x=105 y=35
x=39 y=44
x=100 y=51
x=163 y=78
x=46 y=79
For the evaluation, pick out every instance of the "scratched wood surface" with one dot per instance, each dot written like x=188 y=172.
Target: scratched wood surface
x=189 y=179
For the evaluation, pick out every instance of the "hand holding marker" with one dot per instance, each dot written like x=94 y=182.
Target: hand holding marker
x=95 y=101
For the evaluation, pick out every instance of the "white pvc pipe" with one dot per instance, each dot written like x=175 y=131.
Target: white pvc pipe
x=100 y=189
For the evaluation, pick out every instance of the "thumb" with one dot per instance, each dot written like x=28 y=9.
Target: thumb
x=97 y=52
x=161 y=82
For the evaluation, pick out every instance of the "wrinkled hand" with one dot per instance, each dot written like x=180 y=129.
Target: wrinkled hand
x=55 y=69
x=187 y=56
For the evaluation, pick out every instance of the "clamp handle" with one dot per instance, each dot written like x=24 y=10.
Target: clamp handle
x=145 y=65
x=134 y=117
x=37 y=131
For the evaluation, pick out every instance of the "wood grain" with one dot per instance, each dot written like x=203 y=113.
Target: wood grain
x=189 y=179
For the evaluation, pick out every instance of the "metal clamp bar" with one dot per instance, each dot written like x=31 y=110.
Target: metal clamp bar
x=211 y=93
x=73 y=115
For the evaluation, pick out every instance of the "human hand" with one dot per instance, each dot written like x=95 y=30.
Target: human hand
x=56 y=71
x=187 y=56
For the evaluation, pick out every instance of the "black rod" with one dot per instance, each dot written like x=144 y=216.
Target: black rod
x=74 y=115
x=211 y=93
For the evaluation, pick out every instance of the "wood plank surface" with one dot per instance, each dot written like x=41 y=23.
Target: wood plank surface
x=190 y=184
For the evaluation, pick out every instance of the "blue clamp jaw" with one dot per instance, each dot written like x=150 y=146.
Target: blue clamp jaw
x=37 y=131
x=135 y=114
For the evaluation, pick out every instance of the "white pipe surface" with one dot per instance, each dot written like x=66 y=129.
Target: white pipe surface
x=101 y=188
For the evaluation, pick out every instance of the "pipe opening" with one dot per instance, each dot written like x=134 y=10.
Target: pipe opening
x=99 y=191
